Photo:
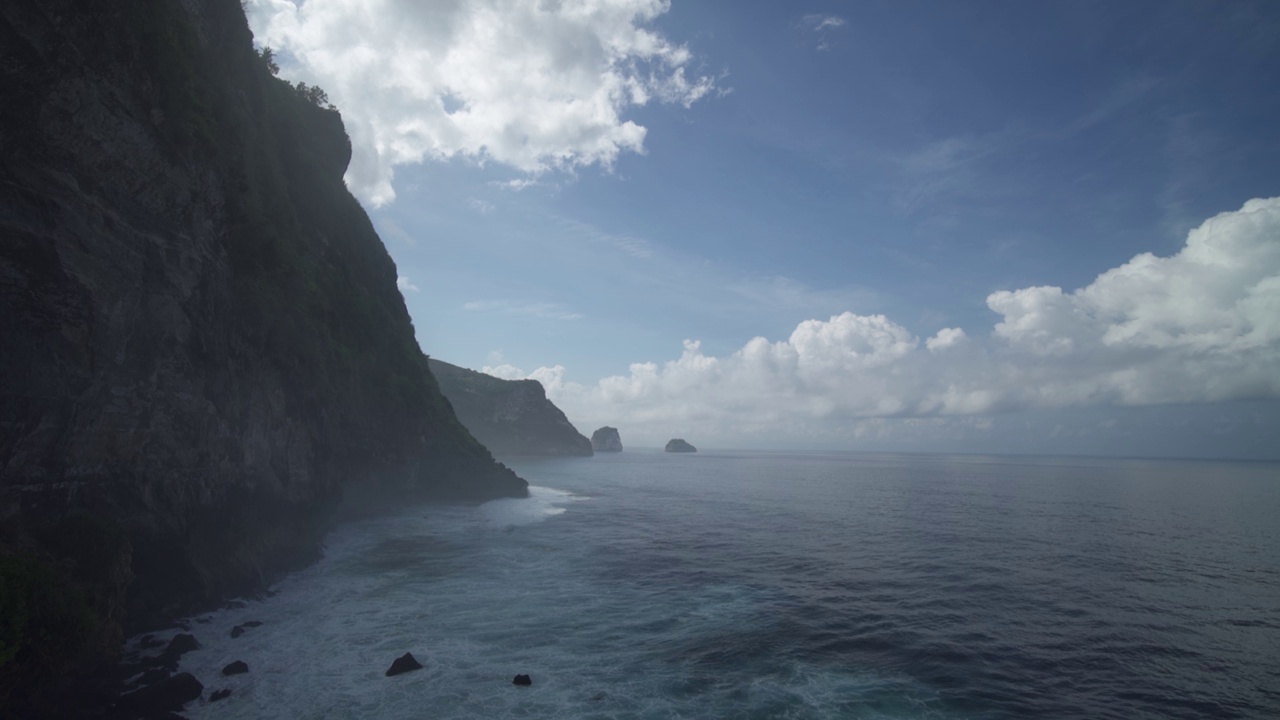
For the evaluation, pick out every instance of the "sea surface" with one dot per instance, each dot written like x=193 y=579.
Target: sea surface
x=770 y=585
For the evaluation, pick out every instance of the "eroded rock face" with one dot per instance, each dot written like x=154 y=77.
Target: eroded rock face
x=203 y=343
x=511 y=417
x=606 y=439
x=678 y=445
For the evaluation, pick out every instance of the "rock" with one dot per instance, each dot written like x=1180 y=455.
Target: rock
x=511 y=417
x=606 y=439
x=158 y=225
x=404 y=664
x=237 y=631
x=251 y=624
x=220 y=695
x=235 y=668
x=522 y=680
x=180 y=645
x=679 y=445
x=181 y=357
x=167 y=696
x=149 y=641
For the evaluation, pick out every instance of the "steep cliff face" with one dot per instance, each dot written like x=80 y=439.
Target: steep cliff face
x=606 y=439
x=203 y=346
x=511 y=417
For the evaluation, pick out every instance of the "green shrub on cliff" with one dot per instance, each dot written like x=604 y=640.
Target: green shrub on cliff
x=44 y=617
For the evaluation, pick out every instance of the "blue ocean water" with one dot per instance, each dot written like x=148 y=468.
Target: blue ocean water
x=767 y=585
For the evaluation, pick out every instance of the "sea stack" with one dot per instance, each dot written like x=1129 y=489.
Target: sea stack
x=679 y=445
x=606 y=439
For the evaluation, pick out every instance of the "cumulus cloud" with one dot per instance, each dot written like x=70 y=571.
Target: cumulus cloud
x=1200 y=326
x=405 y=284
x=945 y=338
x=537 y=85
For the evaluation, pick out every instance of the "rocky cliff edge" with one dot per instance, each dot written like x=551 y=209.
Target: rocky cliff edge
x=204 y=348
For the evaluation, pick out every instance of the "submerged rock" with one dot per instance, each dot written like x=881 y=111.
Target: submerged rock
x=167 y=696
x=606 y=439
x=679 y=445
x=220 y=695
x=239 y=667
x=404 y=664
x=522 y=680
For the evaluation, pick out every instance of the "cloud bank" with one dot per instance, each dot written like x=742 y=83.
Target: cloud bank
x=1200 y=326
x=537 y=85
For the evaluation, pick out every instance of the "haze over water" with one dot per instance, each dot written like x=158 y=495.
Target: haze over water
x=647 y=585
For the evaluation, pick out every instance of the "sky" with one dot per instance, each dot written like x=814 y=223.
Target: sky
x=1047 y=227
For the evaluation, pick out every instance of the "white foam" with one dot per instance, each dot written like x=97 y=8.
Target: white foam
x=542 y=503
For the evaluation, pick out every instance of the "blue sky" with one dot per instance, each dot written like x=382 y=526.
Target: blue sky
x=570 y=189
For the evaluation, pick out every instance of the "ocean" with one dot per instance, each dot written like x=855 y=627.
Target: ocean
x=774 y=585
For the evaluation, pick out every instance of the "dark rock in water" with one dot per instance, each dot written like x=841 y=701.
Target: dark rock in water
x=606 y=439
x=511 y=417
x=166 y=696
x=237 y=631
x=251 y=624
x=235 y=668
x=149 y=641
x=522 y=680
x=180 y=645
x=220 y=695
x=404 y=664
x=679 y=445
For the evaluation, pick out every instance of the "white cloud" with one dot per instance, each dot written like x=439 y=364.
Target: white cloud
x=945 y=338
x=504 y=371
x=543 y=310
x=484 y=207
x=1200 y=326
x=538 y=85
x=822 y=25
x=822 y=22
x=404 y=283
x=628 y=244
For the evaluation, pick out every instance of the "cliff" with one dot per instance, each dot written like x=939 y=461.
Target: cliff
x=606 y=439
x=204 y=347
x=511 y=417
